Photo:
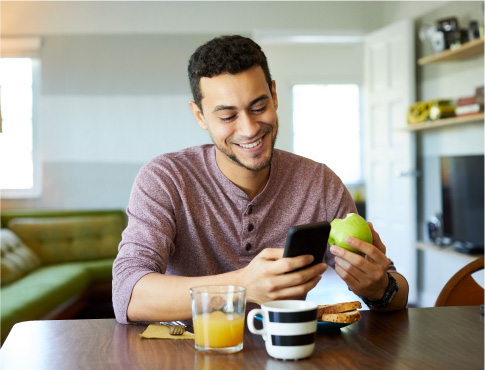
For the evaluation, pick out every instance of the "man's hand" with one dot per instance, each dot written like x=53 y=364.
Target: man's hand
x=268 y=276
x=365 y=276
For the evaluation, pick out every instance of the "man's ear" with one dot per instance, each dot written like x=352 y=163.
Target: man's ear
x=199 y=117
x=273 y=93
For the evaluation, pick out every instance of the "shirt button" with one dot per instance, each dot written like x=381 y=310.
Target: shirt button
x=248 y=246
x=250 y=227
x=250 y=210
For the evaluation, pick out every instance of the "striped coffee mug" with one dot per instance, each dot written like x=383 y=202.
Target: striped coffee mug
x=289 y=328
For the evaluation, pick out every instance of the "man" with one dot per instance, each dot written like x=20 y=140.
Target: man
x=219 y=214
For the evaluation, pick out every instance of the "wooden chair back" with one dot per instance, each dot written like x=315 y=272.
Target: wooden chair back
x=462 y=289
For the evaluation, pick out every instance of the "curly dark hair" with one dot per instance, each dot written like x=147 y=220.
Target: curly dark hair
x=224 y=54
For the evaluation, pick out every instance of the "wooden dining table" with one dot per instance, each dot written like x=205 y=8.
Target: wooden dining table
x=414 y=338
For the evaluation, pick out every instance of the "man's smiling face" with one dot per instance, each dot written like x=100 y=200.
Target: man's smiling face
x=239 y=112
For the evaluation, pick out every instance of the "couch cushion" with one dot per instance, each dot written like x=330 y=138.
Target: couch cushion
x=67 y=239
x=38 y=293
x=16 y=258
x=99 y=271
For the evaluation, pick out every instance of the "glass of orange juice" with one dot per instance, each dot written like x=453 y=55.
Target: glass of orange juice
x=218 y=317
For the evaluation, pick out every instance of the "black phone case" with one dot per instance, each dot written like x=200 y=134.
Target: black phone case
x=307 y=239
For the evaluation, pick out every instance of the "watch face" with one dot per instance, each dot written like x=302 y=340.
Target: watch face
x=392 y=296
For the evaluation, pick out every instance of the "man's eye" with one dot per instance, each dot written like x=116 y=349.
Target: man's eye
x=227 y=119
x=259 y=110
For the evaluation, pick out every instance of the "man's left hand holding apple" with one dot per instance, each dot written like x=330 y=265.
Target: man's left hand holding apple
x=366 y=275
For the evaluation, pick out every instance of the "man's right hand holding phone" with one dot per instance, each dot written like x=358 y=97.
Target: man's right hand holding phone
x=270 y=277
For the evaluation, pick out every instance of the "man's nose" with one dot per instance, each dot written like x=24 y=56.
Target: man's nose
x=248 y=125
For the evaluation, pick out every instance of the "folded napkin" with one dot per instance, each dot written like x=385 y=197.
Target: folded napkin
x=162 y=332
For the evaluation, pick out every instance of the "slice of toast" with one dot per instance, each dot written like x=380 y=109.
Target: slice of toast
x=338 y=307
x=347 y=317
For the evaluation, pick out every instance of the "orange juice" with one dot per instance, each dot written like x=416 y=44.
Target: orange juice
x=218 y=329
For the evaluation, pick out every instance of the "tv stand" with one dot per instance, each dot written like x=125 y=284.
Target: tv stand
x=467 y=247
x=445 y=249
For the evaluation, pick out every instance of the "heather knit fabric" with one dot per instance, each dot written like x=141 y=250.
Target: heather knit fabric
x=186 y=218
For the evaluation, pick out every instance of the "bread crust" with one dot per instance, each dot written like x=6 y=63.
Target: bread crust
x=348 y=317
x=338 y=307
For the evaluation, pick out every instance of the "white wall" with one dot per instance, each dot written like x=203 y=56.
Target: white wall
x=116 y=98
x=184 y=17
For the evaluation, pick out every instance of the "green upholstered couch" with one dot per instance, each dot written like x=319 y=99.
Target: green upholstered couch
x=55 y=264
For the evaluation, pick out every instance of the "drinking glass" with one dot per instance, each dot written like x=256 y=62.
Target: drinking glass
x=218 y=313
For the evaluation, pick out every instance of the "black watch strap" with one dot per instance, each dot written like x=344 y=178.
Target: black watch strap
x=388 y=296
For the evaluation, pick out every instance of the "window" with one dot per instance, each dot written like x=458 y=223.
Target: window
x=18 y=165
x=326 y=127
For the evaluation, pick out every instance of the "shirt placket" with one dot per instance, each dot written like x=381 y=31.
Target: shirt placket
x=249 y=228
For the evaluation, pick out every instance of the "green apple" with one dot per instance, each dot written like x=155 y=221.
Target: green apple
x=353 y=225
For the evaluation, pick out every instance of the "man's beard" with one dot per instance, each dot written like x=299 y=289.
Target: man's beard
x=234 y=158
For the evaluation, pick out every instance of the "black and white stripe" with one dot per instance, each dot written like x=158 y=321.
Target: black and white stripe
x=292 y=317
x=293 y=340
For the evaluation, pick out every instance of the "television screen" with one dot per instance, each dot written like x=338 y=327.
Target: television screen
x=462 y=199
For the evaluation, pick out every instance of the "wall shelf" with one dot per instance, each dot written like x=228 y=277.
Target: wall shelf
x=428 y=125
x=467 y=50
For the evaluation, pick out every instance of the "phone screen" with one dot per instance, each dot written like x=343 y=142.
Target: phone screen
x=307 y=239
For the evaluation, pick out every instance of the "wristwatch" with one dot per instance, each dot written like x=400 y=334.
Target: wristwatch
x=388 y=296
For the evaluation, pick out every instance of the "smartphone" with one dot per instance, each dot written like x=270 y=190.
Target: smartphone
x=307 y=239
